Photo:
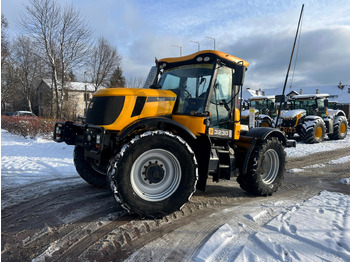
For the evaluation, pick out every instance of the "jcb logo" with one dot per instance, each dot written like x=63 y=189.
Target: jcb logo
x=289 y=129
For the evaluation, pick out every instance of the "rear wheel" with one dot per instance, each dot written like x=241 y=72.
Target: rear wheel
x=266 y=123
x=154 y=174
x=88 y=170
x=313 y=131
x=266 y=168
x=340 y=128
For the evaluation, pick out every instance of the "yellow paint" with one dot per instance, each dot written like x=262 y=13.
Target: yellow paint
x=319 y=132
x=237 y=125
x=150 y=109
x=193 y=123
x=342 y=128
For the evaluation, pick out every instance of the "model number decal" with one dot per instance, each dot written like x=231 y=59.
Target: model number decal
x=220 y=132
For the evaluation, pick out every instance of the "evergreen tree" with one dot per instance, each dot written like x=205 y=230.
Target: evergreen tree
x=117 y=79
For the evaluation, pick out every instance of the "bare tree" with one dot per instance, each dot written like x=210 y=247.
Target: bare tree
x=135 y=82
x=6 y=68
x=62 y=36
x=104 y=60
x=29 y=68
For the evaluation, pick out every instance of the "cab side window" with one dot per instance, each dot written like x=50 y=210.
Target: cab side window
x=222 y=94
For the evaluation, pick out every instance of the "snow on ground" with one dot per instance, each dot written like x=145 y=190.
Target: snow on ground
x=303 y=149
x=315 y=230
x=41 y=163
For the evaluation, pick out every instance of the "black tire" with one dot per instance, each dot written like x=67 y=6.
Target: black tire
x=266 y=168
x=88 y=170
x=154 y=174
x=340 y=128
x=313 y=131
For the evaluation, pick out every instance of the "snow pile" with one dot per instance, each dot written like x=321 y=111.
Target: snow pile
x=316 y=230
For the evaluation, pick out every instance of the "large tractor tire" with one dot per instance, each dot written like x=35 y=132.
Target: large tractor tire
x=154 y=174
x=340 y=128
x=313 y=131
x=88 y=170
x=266 y=168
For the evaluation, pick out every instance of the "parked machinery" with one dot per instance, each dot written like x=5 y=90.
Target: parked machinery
x=264 y=111
x=310 y=118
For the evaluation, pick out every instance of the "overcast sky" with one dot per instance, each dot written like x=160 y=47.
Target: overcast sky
x=259 y=31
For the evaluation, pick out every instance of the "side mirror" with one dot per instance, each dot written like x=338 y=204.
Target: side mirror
x=280 y=98
x=326 y=103
x=238 y=75
x=151 y=76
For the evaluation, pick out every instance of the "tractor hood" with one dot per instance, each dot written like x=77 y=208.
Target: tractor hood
x=292 y=113
x=115 y=108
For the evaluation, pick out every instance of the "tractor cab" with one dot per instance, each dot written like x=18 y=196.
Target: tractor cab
x=207 y=85
x=313 y=104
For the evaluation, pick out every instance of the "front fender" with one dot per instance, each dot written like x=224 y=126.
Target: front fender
x=162 y=123
x=262 y=133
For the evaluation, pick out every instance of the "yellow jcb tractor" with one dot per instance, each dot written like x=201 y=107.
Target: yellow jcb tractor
x=153 y=147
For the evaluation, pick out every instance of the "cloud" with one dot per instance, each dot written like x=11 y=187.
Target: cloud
x=261 y=32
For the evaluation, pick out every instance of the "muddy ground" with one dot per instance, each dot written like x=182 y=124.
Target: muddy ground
x=82 y=223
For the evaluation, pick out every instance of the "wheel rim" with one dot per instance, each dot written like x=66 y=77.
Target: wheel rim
x=319 y=132
x=342 y=128
x=155 y=175
x=270 y=166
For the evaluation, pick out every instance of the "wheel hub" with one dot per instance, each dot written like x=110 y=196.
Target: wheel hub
x=154 y=172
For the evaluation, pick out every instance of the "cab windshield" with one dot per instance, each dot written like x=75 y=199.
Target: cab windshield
x=191 y=85
x=312 y=106
x=265 y=106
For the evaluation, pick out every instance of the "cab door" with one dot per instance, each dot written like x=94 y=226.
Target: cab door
x=221 y=105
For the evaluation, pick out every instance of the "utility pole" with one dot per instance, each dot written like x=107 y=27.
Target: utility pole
x=199 y=45
x=86 y=97
x=214 y=41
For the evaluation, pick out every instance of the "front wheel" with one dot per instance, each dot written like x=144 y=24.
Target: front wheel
x=88 y=170
x=266 y=168
x=313 y=131
x=154 y=174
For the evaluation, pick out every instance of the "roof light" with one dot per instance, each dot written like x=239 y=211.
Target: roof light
x=206 y=59
x=162 y=66
x=199 y=59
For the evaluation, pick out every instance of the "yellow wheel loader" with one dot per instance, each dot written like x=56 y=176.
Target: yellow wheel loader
x=154 y=146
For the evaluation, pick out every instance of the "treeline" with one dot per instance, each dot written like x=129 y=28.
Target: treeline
x=56 y=41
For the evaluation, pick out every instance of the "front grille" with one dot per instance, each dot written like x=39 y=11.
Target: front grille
x=289 y=122
x=104 y=110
